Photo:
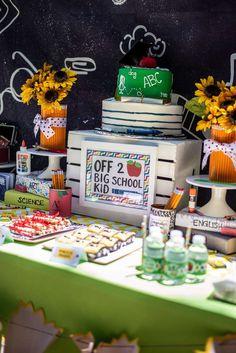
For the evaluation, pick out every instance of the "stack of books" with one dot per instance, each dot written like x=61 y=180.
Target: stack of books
x=220 y=232
x=30 y=191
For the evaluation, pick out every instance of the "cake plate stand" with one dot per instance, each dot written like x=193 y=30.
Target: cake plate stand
x=217 y=206
x=53 y=161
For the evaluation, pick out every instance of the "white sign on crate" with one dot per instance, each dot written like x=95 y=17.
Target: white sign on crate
x=114 y=175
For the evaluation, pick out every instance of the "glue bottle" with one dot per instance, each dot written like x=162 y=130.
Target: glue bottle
x=23 y=160
x=192 y=200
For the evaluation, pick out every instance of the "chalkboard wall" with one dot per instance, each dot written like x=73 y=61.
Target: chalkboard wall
x=93 y=35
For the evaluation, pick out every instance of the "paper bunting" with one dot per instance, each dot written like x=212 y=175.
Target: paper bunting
x=85 y=343
x=28 y=332
x=122 y=345
x=224 y=344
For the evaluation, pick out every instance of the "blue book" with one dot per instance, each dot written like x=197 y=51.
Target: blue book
x=4 y=184
x=7 y=181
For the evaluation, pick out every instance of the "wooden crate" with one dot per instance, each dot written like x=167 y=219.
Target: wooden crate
x=175 y=161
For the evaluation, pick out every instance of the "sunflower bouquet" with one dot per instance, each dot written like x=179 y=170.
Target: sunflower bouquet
x=48 y=87
x=215 y=104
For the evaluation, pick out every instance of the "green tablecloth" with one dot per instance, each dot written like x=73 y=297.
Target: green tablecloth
x=109 y=300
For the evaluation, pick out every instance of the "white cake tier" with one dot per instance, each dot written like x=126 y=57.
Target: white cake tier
x=127 y=116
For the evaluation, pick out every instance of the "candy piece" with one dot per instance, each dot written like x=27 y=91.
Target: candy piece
x=125 y=237
x=96 y=228
x=108 y=232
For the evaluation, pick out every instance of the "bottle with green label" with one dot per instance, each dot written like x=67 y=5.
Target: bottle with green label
x=175 y=262
x=153 y=256
x=197 y=260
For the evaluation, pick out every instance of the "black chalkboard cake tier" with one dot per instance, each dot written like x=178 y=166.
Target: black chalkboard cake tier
x=135 y=117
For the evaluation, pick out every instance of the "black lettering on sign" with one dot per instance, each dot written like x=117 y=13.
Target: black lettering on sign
x=120 y=168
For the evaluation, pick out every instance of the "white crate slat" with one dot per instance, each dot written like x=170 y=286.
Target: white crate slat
x=73 y=156
x=166 y=168
x=167 y=153
x=161 y=200
x=75 y=185
x=73 y=171
x=164 y=187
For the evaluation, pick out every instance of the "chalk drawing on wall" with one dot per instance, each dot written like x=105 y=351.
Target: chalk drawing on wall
x=119 y=2
x=232 y=65
x=31 y=69
x=8 y=14
x=81 y=65
x=140 y=32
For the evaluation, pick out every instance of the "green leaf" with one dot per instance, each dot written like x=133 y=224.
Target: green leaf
x=195 y=107
x=130 y=162
x=138 y=165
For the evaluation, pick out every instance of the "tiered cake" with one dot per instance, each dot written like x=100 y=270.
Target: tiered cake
x=143 y=100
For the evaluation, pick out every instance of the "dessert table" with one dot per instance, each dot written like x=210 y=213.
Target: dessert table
x=109 y=300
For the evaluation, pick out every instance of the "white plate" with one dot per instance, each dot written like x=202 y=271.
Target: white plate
x=112 y=256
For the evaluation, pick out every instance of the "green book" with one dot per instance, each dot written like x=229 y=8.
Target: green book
x=26 y=199
x=144 y=82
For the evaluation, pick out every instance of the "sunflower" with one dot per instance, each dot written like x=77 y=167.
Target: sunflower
x=227 y=120
x=64 y=78
x=48 y=87
x=227 y=124
x=203 y=125
x=28 y=89
x=50 y=98
x=208 y=90
x=44 y=72
x=213 y=114
x=26 y=95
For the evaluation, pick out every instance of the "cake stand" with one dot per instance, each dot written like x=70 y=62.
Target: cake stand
x=53 y=161
x=217 y=206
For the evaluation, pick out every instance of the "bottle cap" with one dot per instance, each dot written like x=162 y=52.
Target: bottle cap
x=155 y=233
x=23 y=146
x=178 y=241
x=155 y=229
x=199 y=239
x=192 y=192
x=176 y=233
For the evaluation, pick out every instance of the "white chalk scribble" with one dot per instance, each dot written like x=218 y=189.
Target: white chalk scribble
x=140 y=32
x=8 y=14
x=232 y=65
x=119 y=2
x=31 y=69
x=81 y=65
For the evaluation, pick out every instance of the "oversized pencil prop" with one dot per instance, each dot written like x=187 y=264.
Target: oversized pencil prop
x=58 y=179
x=174 y=199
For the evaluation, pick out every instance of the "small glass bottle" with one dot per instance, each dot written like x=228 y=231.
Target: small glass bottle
x=197 y=260
x=175 y=262
x=153 y=256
